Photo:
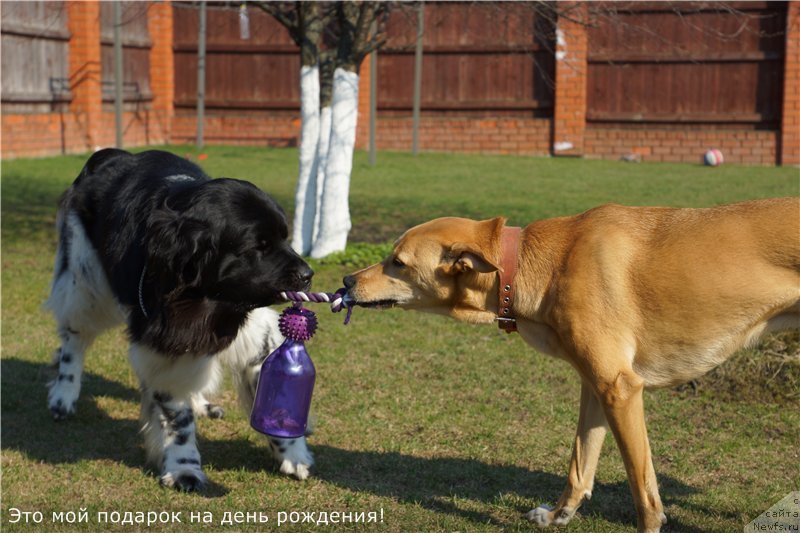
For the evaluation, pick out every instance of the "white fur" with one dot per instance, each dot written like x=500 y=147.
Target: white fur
x=81 y=300
x=543 y=516
x=179 y=177
x=173 y=389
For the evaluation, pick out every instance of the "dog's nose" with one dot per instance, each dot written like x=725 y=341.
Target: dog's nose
x=349 y=282
x=304 y=275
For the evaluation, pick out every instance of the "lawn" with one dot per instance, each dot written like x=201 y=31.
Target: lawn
x=434 y=425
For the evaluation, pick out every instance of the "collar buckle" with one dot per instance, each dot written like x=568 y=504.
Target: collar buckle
x=509 y=325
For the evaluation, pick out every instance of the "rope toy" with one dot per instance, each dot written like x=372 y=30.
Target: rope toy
x=338 y=300
x=286 y=381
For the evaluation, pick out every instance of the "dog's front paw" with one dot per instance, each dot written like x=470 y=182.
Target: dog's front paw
x=184 y=479
x=292 y=456
x=541 y=516
x=202 y=407
x=544 y=516
x=63 y=397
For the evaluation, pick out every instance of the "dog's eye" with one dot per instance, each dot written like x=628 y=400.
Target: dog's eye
x=396 y=262
x=263 y=245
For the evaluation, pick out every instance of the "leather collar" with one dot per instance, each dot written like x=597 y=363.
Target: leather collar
x=509 y=252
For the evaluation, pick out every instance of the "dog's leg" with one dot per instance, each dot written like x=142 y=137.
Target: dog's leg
x=291 y=455
x=623 y=403
x=170 y=439
x=168 y=385
x=83 y=306
x=591 y=433
x=65 y=388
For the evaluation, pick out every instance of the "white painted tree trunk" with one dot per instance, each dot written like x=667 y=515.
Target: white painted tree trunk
x=322 y=160
x=305 y=198
x=334 y=224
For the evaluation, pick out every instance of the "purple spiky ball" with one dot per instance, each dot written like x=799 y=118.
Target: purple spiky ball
x=297 y=323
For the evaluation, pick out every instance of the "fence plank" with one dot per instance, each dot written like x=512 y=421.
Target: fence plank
x=34 y=51
x=690 y=62
x=136 y=46
x=491 y=56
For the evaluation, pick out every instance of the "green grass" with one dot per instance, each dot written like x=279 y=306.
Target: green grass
x=444 y=426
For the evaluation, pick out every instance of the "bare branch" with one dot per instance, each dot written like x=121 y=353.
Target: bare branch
x=287 y=14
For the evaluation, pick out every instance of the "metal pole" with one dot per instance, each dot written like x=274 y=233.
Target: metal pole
x=417 y=78
x=373 y=105
x=201 y=75
x=118 y=71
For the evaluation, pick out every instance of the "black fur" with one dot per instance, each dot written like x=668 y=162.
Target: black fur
x=210 y=250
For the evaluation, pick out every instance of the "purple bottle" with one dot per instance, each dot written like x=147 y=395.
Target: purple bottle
x=283 y=397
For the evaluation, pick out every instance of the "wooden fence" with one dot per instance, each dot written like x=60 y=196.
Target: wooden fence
x=136 y=45
x=479 y=59
x=680 y=66
x=35 y=45
x=653 y=62
x=467 y=70
x=259 y=73
x=660 y=62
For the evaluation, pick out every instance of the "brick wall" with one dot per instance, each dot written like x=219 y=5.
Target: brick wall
x=162 y=69
x=475 y=135
x=790 y=124
x=42 y=134
x=254 y=128
x=569 y=115
x=748 y=147
x=83 y=20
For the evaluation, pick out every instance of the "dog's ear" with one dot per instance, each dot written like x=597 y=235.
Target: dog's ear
x=179 y=246
x=469 y=257
x=478 y=255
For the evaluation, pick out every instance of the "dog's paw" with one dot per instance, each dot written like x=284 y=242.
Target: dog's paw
x=292 y=456
x=545 y=516
x=541 y=516
x=202 y=407
x=186 y=479
x=211 y=410
x=62 y=399
x=215 y=411
x=662 y=518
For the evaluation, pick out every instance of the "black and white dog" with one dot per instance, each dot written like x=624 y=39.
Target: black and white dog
x=189 y=264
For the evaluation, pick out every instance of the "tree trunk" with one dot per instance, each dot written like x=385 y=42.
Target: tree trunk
x=305 y=199
x=334 y=222
x=326 y=66
x=322 y=160
x=307 y=33
x=327 y=137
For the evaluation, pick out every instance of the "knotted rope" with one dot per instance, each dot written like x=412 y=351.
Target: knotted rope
x=336 y=299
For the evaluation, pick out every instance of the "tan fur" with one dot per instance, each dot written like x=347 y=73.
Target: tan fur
x=632 y=297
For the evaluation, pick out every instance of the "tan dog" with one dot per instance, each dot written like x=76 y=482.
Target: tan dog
x=631 y=297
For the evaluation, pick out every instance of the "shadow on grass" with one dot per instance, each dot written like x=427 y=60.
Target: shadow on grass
x=435 y=483
x=440 y=483
x=28 y=427
x=90 y=435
